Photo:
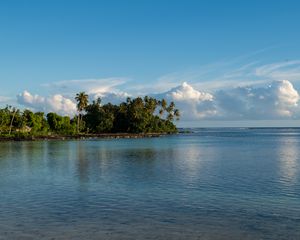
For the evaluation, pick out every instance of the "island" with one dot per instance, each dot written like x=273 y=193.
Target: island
x=136 y=117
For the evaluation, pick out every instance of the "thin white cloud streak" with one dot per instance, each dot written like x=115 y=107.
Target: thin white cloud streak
x=227 y=75
x=289 y=70
x=4 y=99
x=269 y=68
x=91 y=86
x=173 y=79
x=209 y=75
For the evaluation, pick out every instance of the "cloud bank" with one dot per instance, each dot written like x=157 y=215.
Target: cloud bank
x=272 y=101
x=277 y=100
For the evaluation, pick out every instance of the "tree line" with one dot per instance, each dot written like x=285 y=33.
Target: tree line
x=135 y=115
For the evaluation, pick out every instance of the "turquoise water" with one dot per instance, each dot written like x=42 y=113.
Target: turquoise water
x=212 y=184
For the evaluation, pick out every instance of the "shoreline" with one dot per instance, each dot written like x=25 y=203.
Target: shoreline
x=84 y=136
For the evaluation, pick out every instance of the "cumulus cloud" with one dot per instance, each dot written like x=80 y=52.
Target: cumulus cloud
x=277 y=100
x=64 y=105
x=56 y=103
x=105 y=88
x=192 y=103
x=185 y=92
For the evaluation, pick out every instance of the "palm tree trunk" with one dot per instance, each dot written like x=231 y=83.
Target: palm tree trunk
x=78 y=122
x=11 y=122
x=81 y=116
x=1 y=124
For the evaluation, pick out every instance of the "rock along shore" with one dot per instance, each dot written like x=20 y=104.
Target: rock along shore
x=83 y=136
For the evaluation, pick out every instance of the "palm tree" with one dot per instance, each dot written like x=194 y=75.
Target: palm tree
x=170 y=111
x=82 y=102
x=163 y=104
x=14 y=111
x=177 y=114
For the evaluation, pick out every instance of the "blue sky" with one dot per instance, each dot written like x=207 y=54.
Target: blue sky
x=146 y=46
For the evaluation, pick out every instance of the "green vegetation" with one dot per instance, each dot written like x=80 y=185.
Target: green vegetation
x=137 y=115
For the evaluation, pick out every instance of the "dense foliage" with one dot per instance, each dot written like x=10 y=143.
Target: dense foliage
x=138 y=115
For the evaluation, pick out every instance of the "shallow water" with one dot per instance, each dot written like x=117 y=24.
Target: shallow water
x=212 y=184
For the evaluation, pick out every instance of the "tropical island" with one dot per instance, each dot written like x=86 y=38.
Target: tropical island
x=137 y=117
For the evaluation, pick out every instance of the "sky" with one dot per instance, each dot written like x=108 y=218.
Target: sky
x=224 y=63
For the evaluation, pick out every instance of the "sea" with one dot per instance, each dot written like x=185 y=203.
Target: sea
x=209 y=183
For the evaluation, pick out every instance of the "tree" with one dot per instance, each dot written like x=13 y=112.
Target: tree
x=14 y=112
x=135 y=115
x=100 y=118
x=177 y=114
x=93 y=115
x=163 y=105
x=59 y=124
x=82 y=102
x=36 y=122
x=4 y=119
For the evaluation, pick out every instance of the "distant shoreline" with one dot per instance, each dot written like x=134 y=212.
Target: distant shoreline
x=84 y=136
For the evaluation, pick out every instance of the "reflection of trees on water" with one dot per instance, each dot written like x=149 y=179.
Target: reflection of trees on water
x=82 y=162
x=140 y=156
x=57 y=158
x=6 y=151
x=28 y=155
x=92 y=160
x=101 y=162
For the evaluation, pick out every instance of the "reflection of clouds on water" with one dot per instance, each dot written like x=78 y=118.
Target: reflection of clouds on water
x=288 y=160
x=191 y=161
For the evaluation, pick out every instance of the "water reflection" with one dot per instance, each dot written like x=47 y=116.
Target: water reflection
x=190 y=161
x=166 y=188
x=288 y=153
x=6 y=152
x=82 y=162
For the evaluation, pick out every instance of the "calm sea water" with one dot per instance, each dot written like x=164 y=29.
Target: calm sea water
x=212 y=184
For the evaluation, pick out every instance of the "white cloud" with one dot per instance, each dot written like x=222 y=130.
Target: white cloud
x=193 y=104
x=185 y=92
x=278 y=100
x=56 y=103
x=63 y=105
x=112 y=97
x=281 y=70
x=4 y=99
x=90 y=86
x=227 y=74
